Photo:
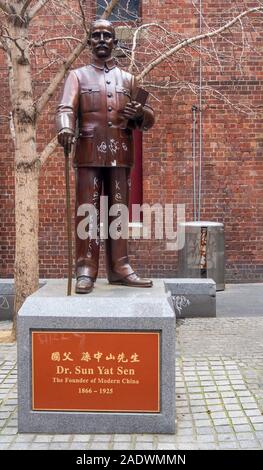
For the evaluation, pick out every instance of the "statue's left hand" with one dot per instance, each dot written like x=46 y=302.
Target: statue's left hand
x=133 y=110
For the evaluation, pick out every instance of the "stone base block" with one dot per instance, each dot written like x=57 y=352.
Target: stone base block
x=193 y=297
x=97 y=363
x=6 y=300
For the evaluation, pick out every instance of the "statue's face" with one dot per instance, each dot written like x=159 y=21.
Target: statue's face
x=102 y=41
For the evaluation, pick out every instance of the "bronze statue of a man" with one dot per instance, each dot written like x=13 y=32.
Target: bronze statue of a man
x=100 y=96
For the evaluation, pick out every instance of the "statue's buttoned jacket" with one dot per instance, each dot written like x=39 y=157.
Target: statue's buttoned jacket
x=93 y=99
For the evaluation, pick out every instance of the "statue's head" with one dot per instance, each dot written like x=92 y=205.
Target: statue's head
x=102 y=38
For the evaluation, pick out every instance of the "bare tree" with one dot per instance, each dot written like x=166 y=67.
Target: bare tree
x=16 y=19
x=148 y=47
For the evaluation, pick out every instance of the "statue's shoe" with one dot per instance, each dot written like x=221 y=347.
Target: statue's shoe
x=132 y=280
x=84 y=285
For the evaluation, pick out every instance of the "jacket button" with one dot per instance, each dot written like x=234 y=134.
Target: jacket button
x=109 y=108
x=108 y=82
x=109 y=95
x=110 y=124
x=107 y=70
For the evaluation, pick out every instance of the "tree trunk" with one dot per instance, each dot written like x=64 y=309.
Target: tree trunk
x=26 y=214
x=27 y=166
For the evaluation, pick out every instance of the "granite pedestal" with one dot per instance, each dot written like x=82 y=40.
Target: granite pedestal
x=49 y=315
x=193 y=297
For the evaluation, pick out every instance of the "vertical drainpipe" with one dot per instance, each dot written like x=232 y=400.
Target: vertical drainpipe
x=194 y=110
x=200 y=116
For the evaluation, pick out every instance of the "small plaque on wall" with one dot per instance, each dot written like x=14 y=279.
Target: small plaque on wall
x=112 y=371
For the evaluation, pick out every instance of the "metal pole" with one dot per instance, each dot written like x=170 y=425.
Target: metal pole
x=68 y=214
x=194 y=109
x=200 y=117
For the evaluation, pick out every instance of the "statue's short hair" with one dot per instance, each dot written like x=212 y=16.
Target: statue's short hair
x=99 y=22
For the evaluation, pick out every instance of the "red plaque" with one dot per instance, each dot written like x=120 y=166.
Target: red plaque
x=96 y=371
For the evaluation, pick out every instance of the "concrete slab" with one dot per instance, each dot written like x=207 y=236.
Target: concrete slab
x=193 y=298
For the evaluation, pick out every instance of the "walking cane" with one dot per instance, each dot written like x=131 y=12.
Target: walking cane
x=67 y=153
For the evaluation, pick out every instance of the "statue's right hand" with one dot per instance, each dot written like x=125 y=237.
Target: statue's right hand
x=66 y=138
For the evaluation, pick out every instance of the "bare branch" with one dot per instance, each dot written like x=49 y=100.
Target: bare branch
x=55 y=61
x=134 y=42
x=5 y=7
x=48 y=150
x=36 y=8
x=108 y=9
x=83 y=16
x=199 y=37
x=25 y=6
x=43 y=100
x=8 y=37
x=60 y=38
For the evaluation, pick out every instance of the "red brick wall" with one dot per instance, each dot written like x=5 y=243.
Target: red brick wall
x=232 y=157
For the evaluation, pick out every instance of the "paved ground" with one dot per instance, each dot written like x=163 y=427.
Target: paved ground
x=240 y=300
x=219 y=389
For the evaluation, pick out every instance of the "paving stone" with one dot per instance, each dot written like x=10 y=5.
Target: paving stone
x=39 y=446
x=245 y=436
x=228 y=394
x=224 y=388
x=249 y=444
x=83 y=437
x=205 y=430
x=256 y=419
x=222 y=421
x=43 y=438
x=196 y=402
x=4 y=446
x=61 y=438
x=206 y=438
x=145 y=446
x=24 y=438
x=147 y=437
x=218 y=415
x=236 y=413
x=229 y=446
x=246 y=399
x=202 y=423
x=163 y=446
x=8 y=431
x=100 y=446
x=185 y=424
x=77 y=446
x=241 y=427
x=122 y=446
x=208 y=446
x=20 y=446
x=241 y=420
x=6 y=438
x=250 y=406
x=186 y=433
x=215 y=408
x=226 y=437
x=258 y=426
x=167 y=438
x=199 y=409
x=187 y=447
x=223 y=428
